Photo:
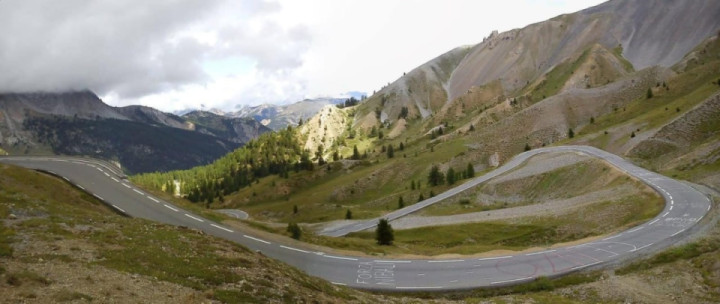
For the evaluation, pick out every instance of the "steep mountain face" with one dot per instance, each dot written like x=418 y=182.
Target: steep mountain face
x=238 y=130
x=618 y=36
x=141 y=138
x=648 y=32
x=278 y=117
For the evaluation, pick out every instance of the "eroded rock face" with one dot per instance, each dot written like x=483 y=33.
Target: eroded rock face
x=494 y=160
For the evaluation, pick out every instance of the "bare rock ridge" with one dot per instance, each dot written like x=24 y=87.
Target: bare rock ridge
x=647 y=31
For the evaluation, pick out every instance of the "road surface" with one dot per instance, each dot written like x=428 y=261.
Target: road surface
x=684 y=208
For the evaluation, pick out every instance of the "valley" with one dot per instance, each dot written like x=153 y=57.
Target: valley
x=572 y=160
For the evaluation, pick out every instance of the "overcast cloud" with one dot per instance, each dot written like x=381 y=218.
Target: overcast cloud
x=178 y=54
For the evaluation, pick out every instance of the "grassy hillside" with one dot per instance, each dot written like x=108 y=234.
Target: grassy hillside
x=58 y=244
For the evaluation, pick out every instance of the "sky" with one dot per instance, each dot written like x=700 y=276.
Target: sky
x=191 y=54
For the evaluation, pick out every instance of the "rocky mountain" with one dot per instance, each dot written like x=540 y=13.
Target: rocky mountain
x=140 y=138
x=280 y=116
x=641 y=33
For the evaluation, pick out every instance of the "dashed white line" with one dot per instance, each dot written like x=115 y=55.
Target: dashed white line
x=653 y=222
x=126 y=185
x=256 y=239
x=671 y=207
x=583 y=266
x=340 y=258
x=666 y=213
x=495 y=258
x=508 y=281
x=708 y=208
x=294 y=249
x=115 y=179
x=100 y=198
x=170 y=207
x=612 y=237
x=138 y=192
x=154 y=200
x=540 y=252
x=445 y=261
x=118 y=208
x=672 y=202
x=195 y=218
x=636 y=229
x=454 y=281
x=676 y=233
x=222 y=228
x=418 y=287
x=421 y=274
x=65 y=178
x=336 y=283
x=643 y=247
x=81 y=187
x=386 y=261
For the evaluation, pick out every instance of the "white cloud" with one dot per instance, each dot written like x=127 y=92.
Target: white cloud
x=177 y=54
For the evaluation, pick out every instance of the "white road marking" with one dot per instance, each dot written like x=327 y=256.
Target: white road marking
x=653 y=222
x=256 y=239
x=495 y=258
x=170 y=207
x=81 y=187
x=65 y=178
x=118 y=208
x=508 y=281
x=154 y=200
x=671 y=202
x=612 y=237
x=340 y=258
x=418 y=287
x=336 y=283
x=385 y=261
x=606 y=251
x=126 y=185
x=671 y=207
x=541 y=252
x=676 y=233
x=643 y=247
x=222 y=228
x=115 y=179
x=295 y=249
x=636 y=229
x=100 y=198
x=708 y=209
x=420 y=274
x=666 y=213
x=583 y=266
x=700 y=218
x=99 y=169
x=445 y=261
x=138 y=192
x=195 y=218
x=453 y=281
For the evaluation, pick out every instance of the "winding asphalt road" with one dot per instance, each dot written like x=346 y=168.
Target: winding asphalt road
x=684 y=208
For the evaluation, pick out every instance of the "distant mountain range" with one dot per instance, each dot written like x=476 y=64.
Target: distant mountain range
x=141 y=139
x=280 y=116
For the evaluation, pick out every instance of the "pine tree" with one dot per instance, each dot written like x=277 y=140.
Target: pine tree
x=384 y=233
x=295 y=209
x=421 y=198
x=402 y=147
x=412 y=185
x=348 y=215
x=435 y=177
x=390 y=151
x=450 y=176
x=571 y=133
x=356 y=153
x=401 y=203
x=649 y=93
x=527 y=147
x=294 y=230
x=470 y=171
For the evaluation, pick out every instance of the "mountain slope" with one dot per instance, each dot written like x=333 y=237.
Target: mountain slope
x=277 y=117
x=142 y=139
x=648 y=31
